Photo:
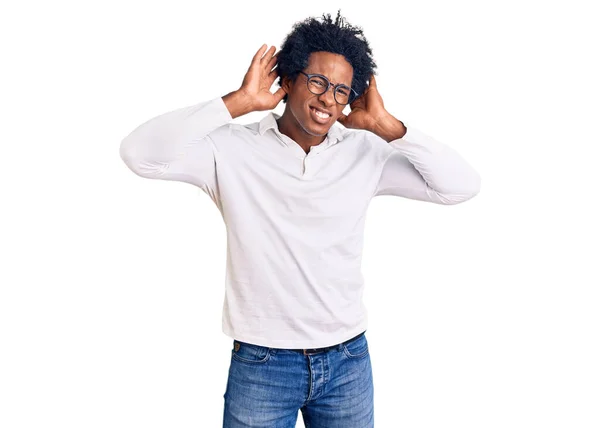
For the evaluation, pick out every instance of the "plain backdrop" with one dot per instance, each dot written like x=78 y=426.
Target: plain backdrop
x=483 y=314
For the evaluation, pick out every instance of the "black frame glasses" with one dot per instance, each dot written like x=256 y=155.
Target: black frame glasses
x=313 y=78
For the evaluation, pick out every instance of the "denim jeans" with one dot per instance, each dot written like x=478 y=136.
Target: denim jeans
x=267 y=386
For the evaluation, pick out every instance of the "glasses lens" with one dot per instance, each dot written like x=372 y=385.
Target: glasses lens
x=343 y=94
x=317 y=85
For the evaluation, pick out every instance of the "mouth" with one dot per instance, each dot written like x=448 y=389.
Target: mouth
x=319 y=115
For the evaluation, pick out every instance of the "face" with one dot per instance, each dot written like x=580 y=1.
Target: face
x=316 y=114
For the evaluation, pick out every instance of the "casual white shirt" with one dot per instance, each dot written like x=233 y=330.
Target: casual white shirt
x=294 y=220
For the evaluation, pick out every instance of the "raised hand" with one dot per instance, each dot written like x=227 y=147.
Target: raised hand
x=366 y=110
x=255 y=93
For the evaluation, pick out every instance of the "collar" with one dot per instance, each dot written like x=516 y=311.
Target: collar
x=335 y=134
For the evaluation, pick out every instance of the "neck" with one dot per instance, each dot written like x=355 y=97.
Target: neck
x=288 y=125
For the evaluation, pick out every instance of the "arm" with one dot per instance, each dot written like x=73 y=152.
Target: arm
x=416 y=165
x=419 y=167
x=173 y=146
x=177 y=145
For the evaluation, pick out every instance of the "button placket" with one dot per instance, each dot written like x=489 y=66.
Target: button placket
x=306 y=164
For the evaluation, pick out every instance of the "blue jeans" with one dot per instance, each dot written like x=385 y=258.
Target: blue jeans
x=267 y=386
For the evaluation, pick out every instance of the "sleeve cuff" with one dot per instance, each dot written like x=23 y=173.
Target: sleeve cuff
x=220 y=109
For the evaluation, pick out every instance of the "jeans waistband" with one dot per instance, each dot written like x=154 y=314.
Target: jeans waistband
x=327 y=348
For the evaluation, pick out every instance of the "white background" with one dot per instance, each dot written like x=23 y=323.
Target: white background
x=483 y=314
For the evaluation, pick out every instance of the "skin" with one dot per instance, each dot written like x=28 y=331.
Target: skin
x=367 y=111
x=297 y=120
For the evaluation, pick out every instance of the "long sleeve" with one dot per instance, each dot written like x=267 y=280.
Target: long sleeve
x=419 y=167
x=174 y=146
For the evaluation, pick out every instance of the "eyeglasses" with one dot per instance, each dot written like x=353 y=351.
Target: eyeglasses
x=319 y=84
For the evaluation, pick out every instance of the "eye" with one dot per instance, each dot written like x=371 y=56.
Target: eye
x=343 y=90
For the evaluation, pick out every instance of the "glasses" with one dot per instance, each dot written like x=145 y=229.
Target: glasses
x=319 y=84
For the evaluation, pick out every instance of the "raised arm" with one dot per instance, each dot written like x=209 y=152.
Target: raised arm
x=177 y=145
x=417 y=166
x=173 y=146
x=420 y=167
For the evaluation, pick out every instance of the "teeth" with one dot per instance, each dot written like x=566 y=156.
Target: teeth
x=321 y=114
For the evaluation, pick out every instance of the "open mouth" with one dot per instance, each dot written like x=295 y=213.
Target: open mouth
x=320 y=116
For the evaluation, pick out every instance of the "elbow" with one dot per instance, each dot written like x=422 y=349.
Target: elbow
x=125 y=152
x=130 y=155
x=466 y=191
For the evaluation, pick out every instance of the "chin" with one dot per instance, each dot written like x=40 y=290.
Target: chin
x=320 y=132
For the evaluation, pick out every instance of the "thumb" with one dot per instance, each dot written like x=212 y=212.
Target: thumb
x=372 y=81
x=342 y=119
x=279 y=94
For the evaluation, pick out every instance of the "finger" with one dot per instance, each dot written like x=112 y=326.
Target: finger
x=356 y=105
x=258 y=55
x=277 y=97
x=273 y=75
x=356 y=102
x=272 y=62
x=372 y=81
x=274 y=69
x=279 y=94
x=268 y=55
x=342 y=118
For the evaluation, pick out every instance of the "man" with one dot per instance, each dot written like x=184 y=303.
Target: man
x=293 y=192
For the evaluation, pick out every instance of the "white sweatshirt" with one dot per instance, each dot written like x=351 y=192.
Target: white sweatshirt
x=294 y=221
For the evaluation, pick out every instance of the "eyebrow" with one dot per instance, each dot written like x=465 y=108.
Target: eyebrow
x=334 y=84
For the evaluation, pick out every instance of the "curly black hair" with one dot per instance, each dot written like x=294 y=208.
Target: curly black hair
x=339 y=37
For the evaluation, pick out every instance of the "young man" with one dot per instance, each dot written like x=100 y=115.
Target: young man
x=293 y=192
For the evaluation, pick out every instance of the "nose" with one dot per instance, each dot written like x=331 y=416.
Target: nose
x=327 y=97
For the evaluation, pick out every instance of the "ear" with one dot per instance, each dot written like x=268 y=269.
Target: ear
x=286 y=84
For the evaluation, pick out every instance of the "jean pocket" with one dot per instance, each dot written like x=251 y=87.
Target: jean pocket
x=358 y=348
x=249 y=353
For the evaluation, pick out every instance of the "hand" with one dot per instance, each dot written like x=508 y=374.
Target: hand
x=367 y=110
x=256 y=86
x=369 y=113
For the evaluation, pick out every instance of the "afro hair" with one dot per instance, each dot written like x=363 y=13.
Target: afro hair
x=338 y=37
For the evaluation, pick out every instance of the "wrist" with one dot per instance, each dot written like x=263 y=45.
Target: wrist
x=389 y=128
x=237 y=103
